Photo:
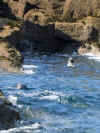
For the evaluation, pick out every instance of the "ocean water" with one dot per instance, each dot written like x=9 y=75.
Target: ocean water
x=58 y=99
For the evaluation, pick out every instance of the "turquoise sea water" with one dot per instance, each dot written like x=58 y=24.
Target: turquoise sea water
x=59 y=99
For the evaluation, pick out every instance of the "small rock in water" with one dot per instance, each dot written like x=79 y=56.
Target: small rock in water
x=21 y=86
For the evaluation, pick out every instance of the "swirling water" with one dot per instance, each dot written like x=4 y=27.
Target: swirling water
x=59 y=99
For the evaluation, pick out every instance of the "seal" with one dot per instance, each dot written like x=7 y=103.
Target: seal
x=70 y=62
x=21 y=86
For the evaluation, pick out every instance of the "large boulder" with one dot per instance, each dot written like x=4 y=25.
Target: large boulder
x=8 y=114
x=82 y=8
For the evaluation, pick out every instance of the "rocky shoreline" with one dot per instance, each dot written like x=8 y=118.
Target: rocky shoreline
x=47 y=26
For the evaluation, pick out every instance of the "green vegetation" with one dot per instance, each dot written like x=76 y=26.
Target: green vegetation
x=13 y=23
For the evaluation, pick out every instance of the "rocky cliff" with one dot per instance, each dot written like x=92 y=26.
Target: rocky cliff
x=44 y=25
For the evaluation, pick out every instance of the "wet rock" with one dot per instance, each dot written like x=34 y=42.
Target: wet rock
x=89 y=48
x=8 y=114
x=84 y=49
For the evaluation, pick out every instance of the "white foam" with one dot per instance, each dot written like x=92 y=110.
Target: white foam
x=27 y=129
x=92 y=56
x=51 y=97
x=12 y=99
x=29 y=66
x=28 y=71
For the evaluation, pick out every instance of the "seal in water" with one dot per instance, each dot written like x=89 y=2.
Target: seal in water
x=21 y=86
x=70 y=62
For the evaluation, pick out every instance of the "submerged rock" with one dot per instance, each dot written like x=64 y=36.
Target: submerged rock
x=8 y=114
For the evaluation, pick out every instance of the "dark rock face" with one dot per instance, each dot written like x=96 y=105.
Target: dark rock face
x=8 y=115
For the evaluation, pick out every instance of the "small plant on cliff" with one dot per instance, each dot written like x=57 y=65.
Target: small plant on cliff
x=13 y=23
